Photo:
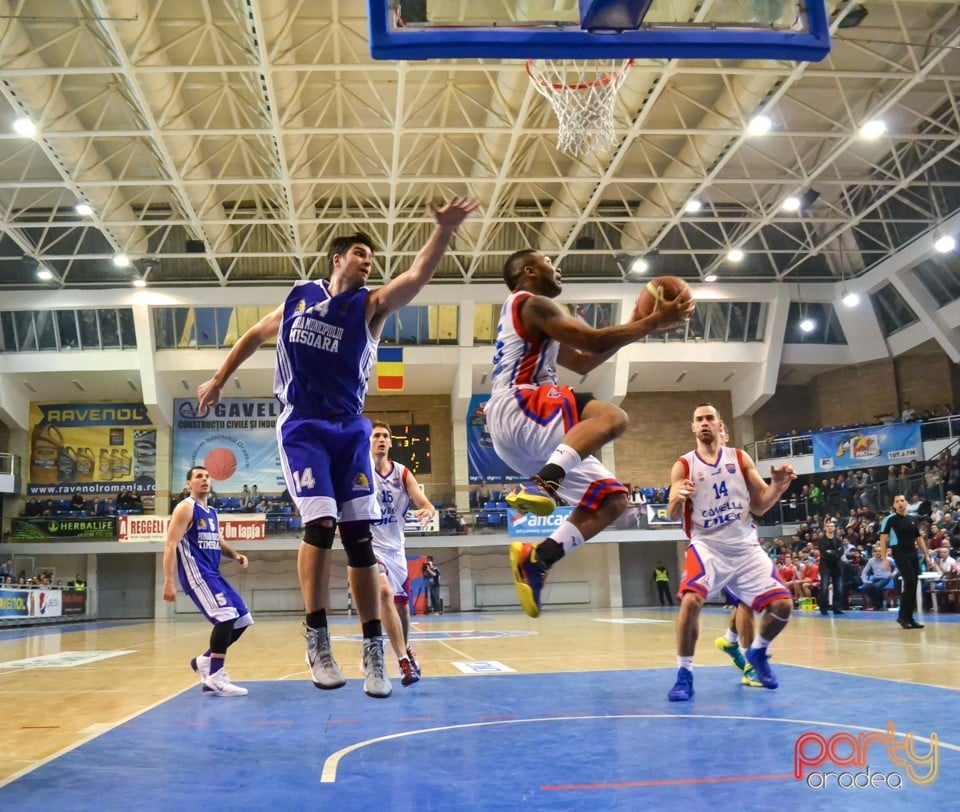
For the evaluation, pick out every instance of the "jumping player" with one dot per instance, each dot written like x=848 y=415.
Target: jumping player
x=715 y=489
x=396 y=487
x=327 y=334
x=548 y=432
x=194 y=543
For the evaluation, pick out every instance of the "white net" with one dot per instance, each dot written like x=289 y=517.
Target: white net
x=583 y=94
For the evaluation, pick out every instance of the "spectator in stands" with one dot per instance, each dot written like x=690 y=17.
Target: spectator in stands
x=255 y=498
x=483 y=493
x=95 y=506
x=32 y=508
x=944 y=562
x=136 y=503
x=106 y=508
x=6 y=571
x=908 y=414
x=903 y=482
x=850 y=577
x=246 y=499
x=78 y=502
x=124 y=500
x=892 y=484
x=879 y=581
x=49 y=509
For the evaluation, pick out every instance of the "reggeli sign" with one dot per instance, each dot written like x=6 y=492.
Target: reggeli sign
x=236 y=527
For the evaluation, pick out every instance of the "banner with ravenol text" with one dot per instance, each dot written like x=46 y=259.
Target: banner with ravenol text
x=88 y=528
x=94 y=448
x=36 y=602
x=233 y=526
x=482 y=461
x=521 y=525
x=866 y=447
x=236 y=441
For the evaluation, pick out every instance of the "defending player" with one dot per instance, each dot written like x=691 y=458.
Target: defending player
x=396 y=488
x=195 y=544
x=716 y=489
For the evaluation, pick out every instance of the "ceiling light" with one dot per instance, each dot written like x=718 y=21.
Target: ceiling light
x=759 y=125
x=25 y=127
x=945 y=244
x=851 y=299
x=710 y=277
x=44 y=274
x=791 y=204
x=807 y=325
x=873 y=129
x=693 y=205
x=139 y=282
x=83 y=209
x=121 y=261
x=639 y=265
x=735 y=255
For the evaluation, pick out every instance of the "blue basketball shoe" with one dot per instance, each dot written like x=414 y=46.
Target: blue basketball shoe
x=758 y=658
x=682 y=691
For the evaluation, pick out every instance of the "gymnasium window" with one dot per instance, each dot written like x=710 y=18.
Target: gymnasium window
x=720 y=321
x=826 y=325
x=54 y=330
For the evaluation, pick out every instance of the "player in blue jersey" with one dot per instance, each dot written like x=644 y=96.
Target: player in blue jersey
x=327 y=333
x=194 y=546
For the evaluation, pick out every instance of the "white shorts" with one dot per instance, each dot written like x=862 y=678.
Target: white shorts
x=748 y=575
x=527 y=425
x=393 y=564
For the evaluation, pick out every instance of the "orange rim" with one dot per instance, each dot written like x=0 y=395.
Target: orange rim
x=603 y=80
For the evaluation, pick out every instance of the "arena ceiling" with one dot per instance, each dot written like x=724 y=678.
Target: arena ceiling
x=224 y=142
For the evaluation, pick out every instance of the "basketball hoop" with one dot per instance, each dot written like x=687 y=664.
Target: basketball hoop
x=582 y=94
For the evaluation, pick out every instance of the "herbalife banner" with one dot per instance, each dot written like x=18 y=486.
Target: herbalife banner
x=483 y=462
x=236 y=442
x=87 y=528
x=867 y=447
x=93 y=448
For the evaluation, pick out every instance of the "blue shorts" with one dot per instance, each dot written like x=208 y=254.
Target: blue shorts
x=218 y=601
x=326 y=465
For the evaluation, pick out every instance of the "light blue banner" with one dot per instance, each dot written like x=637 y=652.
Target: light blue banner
x=521 y=525
x=866 y=447
x=236 y=441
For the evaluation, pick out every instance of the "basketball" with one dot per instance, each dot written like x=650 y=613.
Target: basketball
x=220 y=463
x=656 y=291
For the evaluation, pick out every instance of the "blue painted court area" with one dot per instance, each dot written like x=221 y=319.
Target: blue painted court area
x=596 y=740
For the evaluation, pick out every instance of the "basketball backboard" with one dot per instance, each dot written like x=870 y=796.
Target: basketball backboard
x=599 y=29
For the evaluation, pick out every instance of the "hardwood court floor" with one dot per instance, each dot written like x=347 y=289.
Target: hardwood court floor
x=77 y=682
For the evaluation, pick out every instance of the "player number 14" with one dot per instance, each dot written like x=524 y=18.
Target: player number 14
x=304 y=480
x=719 y=490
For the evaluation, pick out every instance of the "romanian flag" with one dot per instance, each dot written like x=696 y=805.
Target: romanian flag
x=390 y=369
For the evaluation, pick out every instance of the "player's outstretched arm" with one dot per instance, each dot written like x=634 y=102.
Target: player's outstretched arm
x=764 y=495
x=208 y=393
x=401 y=290
x=584 y=347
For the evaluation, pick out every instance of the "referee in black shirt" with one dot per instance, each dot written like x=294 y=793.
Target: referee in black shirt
x=900 y=532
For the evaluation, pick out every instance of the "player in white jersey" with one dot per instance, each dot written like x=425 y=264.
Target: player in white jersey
x=396 y=488
x=326 y=334
x=194 y=545
x=546 y=431
x=716 y=489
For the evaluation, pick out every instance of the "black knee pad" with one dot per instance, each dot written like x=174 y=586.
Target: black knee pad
x=357 y=544
x=319 y=535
